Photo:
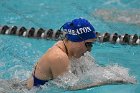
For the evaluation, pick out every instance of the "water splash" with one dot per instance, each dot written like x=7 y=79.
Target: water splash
x=85 y=70
x=82 y=71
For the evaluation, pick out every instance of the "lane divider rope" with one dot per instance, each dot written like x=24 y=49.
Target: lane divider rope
x=58 y=34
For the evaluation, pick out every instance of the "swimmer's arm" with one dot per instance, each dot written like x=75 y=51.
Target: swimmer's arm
x=86 y=86
x=59 y=65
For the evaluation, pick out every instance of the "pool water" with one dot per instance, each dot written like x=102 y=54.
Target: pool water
x=18 y=55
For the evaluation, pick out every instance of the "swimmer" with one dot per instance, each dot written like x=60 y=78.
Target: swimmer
x=79 y=38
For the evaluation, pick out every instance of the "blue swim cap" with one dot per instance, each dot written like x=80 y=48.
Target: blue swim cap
x=79 y=30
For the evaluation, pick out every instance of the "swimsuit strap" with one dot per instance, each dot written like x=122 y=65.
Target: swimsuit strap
x=35 y=69
x=65 y=48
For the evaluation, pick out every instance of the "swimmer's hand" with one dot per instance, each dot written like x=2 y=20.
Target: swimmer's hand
x=108 y=82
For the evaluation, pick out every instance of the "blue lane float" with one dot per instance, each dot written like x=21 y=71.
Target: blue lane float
x=58 y=34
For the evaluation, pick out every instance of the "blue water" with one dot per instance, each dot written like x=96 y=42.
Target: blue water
x=18 y=54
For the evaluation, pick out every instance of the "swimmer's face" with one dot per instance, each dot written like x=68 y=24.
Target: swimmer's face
x=83 y=47
x=89 y=44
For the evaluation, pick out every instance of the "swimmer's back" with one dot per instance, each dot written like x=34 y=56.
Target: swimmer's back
x=52 y=64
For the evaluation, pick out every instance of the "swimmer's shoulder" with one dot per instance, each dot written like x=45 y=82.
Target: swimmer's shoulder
x=58 y=61
x=56 y=51
x=54 y=55
x=57 y=54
